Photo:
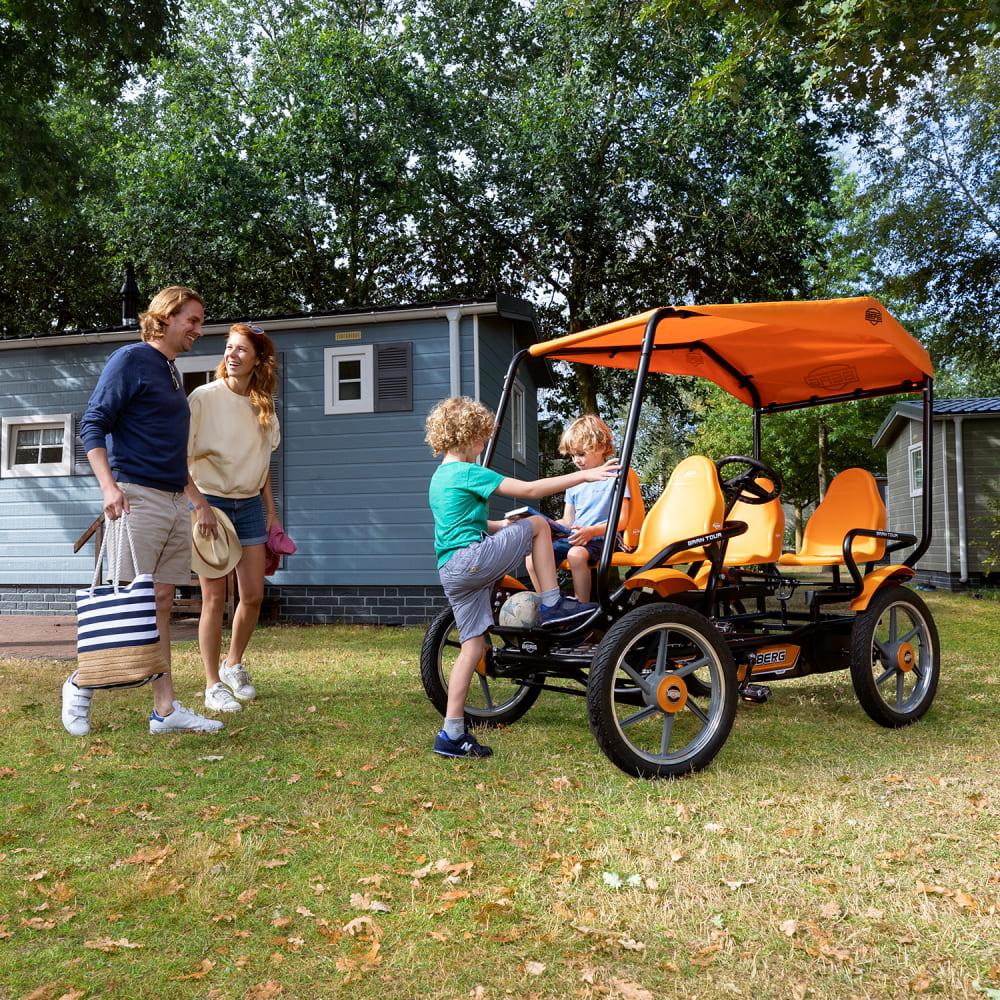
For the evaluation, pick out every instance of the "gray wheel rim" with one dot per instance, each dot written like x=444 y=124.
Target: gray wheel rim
x=899 y=625
x=674 y=643
x=488 y=696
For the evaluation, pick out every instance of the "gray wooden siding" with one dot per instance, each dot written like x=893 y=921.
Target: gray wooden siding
x=981 y=445
x=41 y=518
x=355 y=485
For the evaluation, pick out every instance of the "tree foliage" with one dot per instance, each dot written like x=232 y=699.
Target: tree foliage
x=931 y=213
x=864 y=54
x=587 y=176
x=82 y=46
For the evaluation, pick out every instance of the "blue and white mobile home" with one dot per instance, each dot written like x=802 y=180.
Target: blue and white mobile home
x=350 y=477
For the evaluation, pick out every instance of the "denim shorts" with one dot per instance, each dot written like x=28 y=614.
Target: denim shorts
x=561 y=547
x=247 y=517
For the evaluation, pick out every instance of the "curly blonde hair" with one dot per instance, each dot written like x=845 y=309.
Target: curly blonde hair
x=587 y=433
x=456 y=422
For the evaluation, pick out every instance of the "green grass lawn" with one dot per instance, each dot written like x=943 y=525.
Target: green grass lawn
x=317 y=848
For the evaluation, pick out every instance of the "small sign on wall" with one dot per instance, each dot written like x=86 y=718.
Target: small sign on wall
x=347 y=335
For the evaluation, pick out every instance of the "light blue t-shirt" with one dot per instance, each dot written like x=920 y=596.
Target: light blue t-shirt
x=592 y=501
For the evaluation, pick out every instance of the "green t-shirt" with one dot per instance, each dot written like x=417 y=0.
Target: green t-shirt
x=459 y=495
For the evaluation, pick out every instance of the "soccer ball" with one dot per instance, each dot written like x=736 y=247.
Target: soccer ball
x=521 y=610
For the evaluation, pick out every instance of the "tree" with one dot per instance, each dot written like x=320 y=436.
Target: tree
x=83 y=46
x=931 y=208
x=861 y=53
x=586 y=177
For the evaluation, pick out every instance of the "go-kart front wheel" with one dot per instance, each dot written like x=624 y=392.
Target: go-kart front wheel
x=492 y=701
x=678 y=727
x=895 y=657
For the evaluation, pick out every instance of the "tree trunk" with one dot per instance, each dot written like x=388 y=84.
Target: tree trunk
x=797 y=525
x=822 y=457
x=586 y=387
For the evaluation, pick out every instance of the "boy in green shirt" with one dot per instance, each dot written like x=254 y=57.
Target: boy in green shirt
x=474 y=552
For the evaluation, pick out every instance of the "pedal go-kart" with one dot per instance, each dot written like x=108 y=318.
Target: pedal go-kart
x=704 y=607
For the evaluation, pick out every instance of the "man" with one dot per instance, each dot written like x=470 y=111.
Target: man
x=135 y=431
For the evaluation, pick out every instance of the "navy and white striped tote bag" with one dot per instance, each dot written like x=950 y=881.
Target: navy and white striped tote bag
x=117 y=641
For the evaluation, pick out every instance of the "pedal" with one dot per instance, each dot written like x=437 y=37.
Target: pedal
x=756 y=693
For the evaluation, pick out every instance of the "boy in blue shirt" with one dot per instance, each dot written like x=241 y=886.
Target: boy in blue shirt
x=588 y=442
x=474 y=552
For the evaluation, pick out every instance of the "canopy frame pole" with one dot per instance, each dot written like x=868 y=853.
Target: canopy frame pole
x=625 y=457
x=505 y=393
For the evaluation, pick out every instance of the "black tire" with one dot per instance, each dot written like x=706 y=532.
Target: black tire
x=492 y=701
x=657 y=647
x=895 y=665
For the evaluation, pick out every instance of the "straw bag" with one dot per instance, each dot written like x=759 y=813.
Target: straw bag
x=117 y=641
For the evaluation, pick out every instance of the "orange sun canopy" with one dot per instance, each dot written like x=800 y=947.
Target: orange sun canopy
x=792 y=352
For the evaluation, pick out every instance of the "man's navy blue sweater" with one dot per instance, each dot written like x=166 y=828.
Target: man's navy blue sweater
x=138 y=414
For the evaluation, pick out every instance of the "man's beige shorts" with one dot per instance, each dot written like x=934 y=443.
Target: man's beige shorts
x=161 y=533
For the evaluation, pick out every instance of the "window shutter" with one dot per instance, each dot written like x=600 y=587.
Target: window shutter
x=277 y=464
x=393 y=377
x=81 y=467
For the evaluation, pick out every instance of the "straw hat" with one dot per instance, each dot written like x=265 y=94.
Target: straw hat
x=214 y=555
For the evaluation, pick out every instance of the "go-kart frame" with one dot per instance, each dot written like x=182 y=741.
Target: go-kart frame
x=662 y=676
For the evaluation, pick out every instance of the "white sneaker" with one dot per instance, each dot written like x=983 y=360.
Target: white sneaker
x=182 y=720
x=237 y=679
x=218 y=698
x=76 y=707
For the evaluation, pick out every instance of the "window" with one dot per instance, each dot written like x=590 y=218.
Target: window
x=197 y=370
x=916 y=454
x=37 y=446
x=519 y=437
x=348 y=380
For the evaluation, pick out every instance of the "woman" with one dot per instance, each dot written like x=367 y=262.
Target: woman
x=233 y=432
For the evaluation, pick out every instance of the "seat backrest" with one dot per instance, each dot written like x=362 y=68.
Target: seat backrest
x=852 y=501
x=761 y=543
x=692 y=504
x=636 y=512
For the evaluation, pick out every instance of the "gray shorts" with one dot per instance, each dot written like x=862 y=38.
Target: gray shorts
x=468 y=576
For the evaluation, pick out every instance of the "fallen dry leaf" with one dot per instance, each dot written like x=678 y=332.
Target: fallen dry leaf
x=534 y=968
x=622 y=989
x=264 y=991
x=149 y=856
x=788 y=927
x=204 y=967
x=106 y=944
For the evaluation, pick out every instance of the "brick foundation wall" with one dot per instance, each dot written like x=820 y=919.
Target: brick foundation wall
x=38 y=599
x=316 y=605
x=322 y=605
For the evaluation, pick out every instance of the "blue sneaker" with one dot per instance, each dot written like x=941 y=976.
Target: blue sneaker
x=465 y=746
x=564 y=610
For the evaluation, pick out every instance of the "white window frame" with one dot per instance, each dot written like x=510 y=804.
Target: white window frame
x=10 y=427
x=518 y=424
x=916 y=489
x=332 y=357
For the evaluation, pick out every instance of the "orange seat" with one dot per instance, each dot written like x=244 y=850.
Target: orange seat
x=852 y=501
x=692 y=504
x=636 y=512
x=761 y=542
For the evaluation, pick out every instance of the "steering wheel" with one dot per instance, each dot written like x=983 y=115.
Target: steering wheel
x=743 y=486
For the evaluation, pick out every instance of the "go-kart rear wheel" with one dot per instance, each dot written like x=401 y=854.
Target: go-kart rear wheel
x=677 y=730
x=492 y=701
x=895 y=657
